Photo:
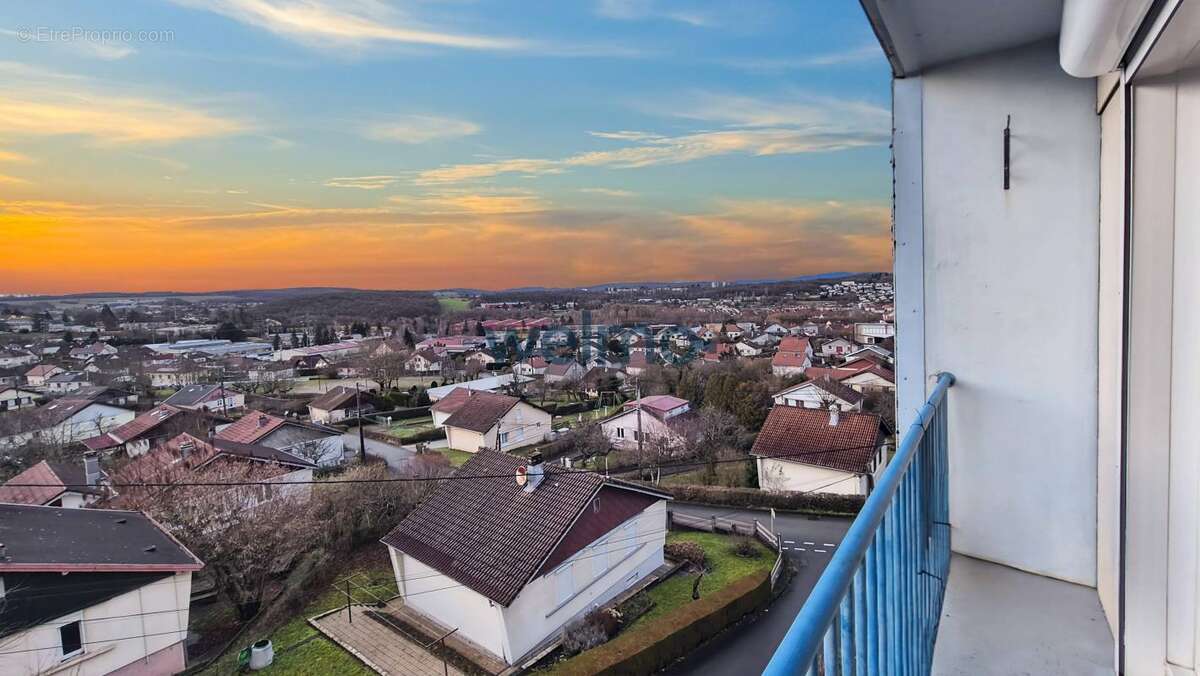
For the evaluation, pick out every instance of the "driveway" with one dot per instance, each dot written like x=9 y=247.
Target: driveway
x=395 y=455
x=808 y=542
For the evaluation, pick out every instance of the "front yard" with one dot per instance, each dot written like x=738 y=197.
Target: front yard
x=404 y=429
x=301 y=649
x=670 y=599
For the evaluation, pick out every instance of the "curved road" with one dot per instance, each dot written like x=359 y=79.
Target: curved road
x=809 y=542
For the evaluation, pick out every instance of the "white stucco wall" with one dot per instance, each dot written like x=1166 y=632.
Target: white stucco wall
x=1002 y=273
x=157 y=610
x=614 y=563
x=628 y=422
x=784 y=475
x=449 y=602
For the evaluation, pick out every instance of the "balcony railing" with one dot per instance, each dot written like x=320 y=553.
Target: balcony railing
x=875 y=609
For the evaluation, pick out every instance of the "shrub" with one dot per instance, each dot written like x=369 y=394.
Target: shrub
x=825 y=503
x=746 y=548
x=690 y=552
x=634 y=607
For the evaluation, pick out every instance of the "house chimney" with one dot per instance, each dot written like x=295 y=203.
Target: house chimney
x=91 y=468
x=535 y=473
x=263 y=420
x=835 y=415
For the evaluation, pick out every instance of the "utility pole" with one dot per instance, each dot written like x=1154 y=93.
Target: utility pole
x=638 y=392
x=224 y=408
x=362 y=444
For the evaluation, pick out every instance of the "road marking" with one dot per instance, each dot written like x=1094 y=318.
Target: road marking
x=789 y=542
x=827 y=544
x=819 y=551
x=801 y=549
x=810 y=543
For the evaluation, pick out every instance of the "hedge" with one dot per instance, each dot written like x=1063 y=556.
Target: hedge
x=573 y=407
x=831 y=503
x=416 y=437
x=666 y=639
x=404 y=413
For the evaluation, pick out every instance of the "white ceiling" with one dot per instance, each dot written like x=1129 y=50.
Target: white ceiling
x=925 y=33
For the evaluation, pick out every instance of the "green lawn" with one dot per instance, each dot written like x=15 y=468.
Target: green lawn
x=454 y=304
x=724 y=566
x=572 y=419
x=404 y=428
x=456 y=458
x=301 y=649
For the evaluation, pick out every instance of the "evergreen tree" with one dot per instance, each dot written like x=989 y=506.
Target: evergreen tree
x=276 y=343
x=108 y=318
x=409 y=340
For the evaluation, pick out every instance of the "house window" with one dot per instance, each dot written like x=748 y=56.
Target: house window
x=504 y=437
x=70 y=636
x=564 y=584
x=620 y=432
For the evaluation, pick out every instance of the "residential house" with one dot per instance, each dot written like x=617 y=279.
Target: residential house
x=880 y=355
x=502 y=382
x=639 y=362
x=13 y=398
x=599 y=379
x=214 y=397
x=837 y=347
x=36 y=376
x=562 y=372
x=819 y=450
x=873 y=378
x=147 y=429
x=106 y=395
x=187 y=458
x=777 y=330
x=92 y=350
x=320 y=444
x=646 y=419
x=445 y=406
x=732 y=331
x=423 y=361
x=495 y=421
x=172 y=374
x=793 y=356
x=342 y=402
x=820 y=393
x=91 y=592
x=60 y=422
x=12 y=357
x=747 y=349
x=483 y=359
x=533 y=366
x=308 y=363
x=66 y=382
x=510 y=562
x=870 y=333
x=56 y=484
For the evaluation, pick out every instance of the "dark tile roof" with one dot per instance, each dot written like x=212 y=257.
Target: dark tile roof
x=44 y=539
x=451 y=402
x=489 y=533
x=191 y=395
x=334 y=398
x=251 y=427
x=145 y=423
x=481 y=411
x=804 y=435
x=844 y=392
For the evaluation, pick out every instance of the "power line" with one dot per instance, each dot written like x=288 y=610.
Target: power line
x=451 y=477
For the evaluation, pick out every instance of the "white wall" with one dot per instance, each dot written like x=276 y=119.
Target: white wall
x=1005 y=272
x=628 y=422
x=632 y=551
x=784 y=475
x=1110 y=342
x=103 y=652
x=449 y=602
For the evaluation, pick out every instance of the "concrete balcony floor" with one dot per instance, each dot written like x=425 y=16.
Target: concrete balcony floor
x=999 y=621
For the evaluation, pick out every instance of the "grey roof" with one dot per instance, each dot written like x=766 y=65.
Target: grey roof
x=191 y=394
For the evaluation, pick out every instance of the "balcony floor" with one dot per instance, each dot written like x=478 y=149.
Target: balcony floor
x=1000 y=621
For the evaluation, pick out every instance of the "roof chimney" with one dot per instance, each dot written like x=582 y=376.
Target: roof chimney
x=835 y=415
x=535 y=473
x=91 y=468
x=263 y=420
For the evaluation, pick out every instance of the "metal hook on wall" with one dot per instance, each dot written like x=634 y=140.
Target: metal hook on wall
x=1007 y=134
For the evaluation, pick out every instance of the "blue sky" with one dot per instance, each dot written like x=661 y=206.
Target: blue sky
x=458 y=142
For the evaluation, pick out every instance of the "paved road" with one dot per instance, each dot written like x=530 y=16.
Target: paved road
x=809 y=542
x=395 y=455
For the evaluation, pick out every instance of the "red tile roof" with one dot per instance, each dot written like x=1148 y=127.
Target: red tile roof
x=794 y=344
x=251 y=427
x=55 y=477
x=796 y=359
x=481 y=410
x=451 y=402
x=804 y=435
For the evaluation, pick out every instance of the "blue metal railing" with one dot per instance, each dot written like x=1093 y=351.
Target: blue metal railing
x=875 y=609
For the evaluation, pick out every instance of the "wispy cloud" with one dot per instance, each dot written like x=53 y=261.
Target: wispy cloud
x=350 y=23
x=609 y=192
x=37 y=102
x=12 y=180
x=105 y=50
x=10 y=156
x=867 y=53
x=752 y=127
x=362 y=182
x=421 y=129
x=640 y=10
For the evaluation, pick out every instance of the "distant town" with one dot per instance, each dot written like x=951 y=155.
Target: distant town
x=257 y=440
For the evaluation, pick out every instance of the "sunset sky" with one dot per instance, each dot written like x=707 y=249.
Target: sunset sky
x=224 y=144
